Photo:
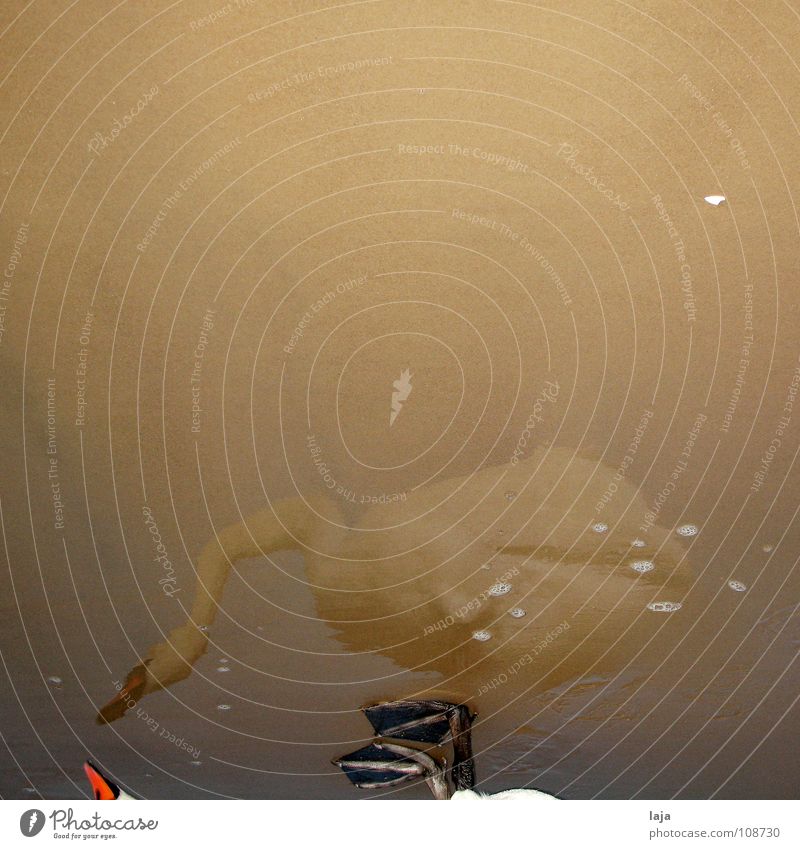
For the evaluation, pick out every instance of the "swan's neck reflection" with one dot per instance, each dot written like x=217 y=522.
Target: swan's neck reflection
x=437 y=584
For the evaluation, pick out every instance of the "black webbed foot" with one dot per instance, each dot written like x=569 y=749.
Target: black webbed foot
x=424 y=721
x=385 y=764
x=374 y=766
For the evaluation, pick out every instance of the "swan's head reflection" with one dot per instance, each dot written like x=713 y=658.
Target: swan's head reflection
x=165 y=664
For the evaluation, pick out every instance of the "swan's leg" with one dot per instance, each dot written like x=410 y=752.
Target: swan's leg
x=461 y=732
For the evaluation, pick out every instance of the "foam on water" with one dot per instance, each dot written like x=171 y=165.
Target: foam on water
x=687 y=530
x=664 y=606
x=481 y=636
x=517 y=612
x=55 y=680
x=223 y=669
x=643 y=566
x=638 y=543
x=511 y=495
x=499 y=589
x=737 y=585
x=223 y=707
x=599 y=527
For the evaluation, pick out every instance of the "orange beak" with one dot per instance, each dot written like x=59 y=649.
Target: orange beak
x=102 y=787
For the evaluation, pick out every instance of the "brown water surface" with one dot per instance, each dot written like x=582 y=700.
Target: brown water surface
x=333 y=334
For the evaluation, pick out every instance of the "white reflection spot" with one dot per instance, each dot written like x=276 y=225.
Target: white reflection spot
x=664 y=606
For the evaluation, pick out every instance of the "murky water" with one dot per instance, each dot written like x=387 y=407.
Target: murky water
x=362 y=353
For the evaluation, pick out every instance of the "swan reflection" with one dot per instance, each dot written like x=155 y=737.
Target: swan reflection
x=459 y=579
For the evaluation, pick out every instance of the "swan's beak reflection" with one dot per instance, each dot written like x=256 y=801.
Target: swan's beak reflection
x=127 y=697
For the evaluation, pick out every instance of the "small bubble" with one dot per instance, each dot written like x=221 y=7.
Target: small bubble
x=481 y=636
x=499 y=589
x=664 y=606
x=638 y=543
x=224 y=660
x=28 y=789
x=223 y=669
x=485 y=566
x=517 y=612
x=599 y=527
x=767 y=548
x=511 y=495
x=196 y=763
x=223 y=707
x=203 y=628
x=642 y=566
x=737 y=585
x=688 y=530
x=55 y=680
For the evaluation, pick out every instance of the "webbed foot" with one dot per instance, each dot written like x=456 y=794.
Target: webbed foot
x=386 y=764
x=424 y=720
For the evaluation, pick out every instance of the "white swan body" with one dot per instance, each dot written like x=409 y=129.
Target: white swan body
x=514 y=795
